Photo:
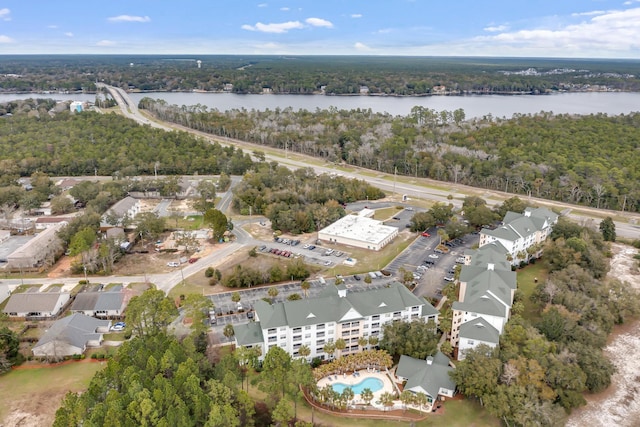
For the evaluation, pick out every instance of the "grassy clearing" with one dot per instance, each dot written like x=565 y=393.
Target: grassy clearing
x=527 y=284
x=19 y=387
x=385 y=213
x=371 y=260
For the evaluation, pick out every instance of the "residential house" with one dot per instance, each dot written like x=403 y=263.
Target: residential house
x=42 y=223
x=107 y=304
x=519 y=232
x=119 y=213
x=71 y=335
x=430 y=376
x=474 y=333
x=334 y=314
x=36 y=304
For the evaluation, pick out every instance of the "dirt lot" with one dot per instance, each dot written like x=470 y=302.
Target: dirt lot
x=619 y=405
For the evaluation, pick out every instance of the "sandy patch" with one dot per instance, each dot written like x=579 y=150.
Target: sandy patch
x=619 y=405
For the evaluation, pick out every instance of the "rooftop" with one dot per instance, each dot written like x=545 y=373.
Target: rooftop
x=361 y=228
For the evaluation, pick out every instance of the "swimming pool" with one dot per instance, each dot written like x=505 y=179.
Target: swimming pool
x=373 y=384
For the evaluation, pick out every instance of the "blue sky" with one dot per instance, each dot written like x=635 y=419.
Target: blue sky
x=540 y=28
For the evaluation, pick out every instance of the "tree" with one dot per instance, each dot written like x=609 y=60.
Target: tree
x=150 y=225
x=207 y=192
x=407 y=398
x=608 y=229
x=9 y=348
x=282 y=413
x=363 y=342
x=420 y=399
x=197 y=307
x=346 y=396
x=441 y=212
x=61 y=205
x=304 y=351
x=274 y=377
x=228 y=331
x=478 y=373
x=366 y=395
x=329 y=348
x=150 y=313
x=417 y=339
x=217 y=221
x=305 y=286
x=386 y=400
x=340 y=345
x=235 y=297
x=273 y=292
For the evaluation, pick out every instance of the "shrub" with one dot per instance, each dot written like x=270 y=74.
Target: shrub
x=209 y=272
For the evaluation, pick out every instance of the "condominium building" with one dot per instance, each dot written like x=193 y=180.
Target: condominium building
x=520 y=232
x=335 y=313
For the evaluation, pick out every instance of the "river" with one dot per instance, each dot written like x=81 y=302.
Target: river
x=611 y=103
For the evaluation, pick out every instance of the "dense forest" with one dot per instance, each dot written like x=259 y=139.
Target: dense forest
x=340 y=75
x=591 y=160
x=65 y=144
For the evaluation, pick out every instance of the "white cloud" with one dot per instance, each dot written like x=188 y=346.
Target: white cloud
x=384 y=31
x=4 y=14
x=609 y=34
x=284 y=9
x=356 y=15
x=263 y=5
x=68 y=34
x=319 y=22
x=496 y=28
x=591 y=13
x=106 y=43
x=279 y=28
x=129 y=18
x=361 y=46
x=53 y=27
x=6 y=39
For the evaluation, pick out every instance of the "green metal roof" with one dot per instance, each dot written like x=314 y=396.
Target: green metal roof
x=479 y=330
x=422 y=375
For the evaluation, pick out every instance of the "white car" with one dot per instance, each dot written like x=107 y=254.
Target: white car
x=434 y=256
x=173 y=264
x=327 y=263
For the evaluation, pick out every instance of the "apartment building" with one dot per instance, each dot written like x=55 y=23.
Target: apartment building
x=519 y=232
x=335 y=313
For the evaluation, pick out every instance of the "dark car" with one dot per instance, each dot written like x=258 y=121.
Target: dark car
x=355 y=276
x=249 y=314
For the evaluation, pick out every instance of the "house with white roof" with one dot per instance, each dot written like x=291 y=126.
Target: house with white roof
x=334 y=314
x=359 y=231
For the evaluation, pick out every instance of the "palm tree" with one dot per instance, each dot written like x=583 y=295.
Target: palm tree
x=305 y=287
x=386 y=400
x=346 y=396
x=273 y=292
x=407 y=398
x=373 y=341
x=363 y=342
x=304 y=351
x=228 y=331
x=329 y=348
x=366 y=395
x=340 y=344
x=420 y=399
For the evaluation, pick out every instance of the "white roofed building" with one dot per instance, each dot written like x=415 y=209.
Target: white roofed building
x=359 y=231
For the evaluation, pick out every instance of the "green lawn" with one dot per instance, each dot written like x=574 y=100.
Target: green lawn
x=527 y=284
x=26 y=385
x=385 y=213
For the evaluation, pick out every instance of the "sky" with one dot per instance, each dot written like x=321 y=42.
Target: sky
x=504 y=28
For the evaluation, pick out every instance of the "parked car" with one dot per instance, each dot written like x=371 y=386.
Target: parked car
x=327 y=263
x=249 y=314
x=119 y=326
x=434 y=256
x=449 y=278
x=425 y=234
x=173 y=264
x=429 y=262
x=192 y=260
x=355 y=276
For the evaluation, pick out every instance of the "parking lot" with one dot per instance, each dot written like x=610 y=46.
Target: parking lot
x=434 y=271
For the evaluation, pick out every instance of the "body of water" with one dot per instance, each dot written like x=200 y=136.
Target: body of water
x=611 y=103
x=373 y=384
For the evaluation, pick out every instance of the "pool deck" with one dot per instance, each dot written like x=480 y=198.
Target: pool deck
x=349 y=379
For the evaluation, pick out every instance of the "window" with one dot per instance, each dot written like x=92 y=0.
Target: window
x=297 y=346
x=355 y=324
x=283 y=337
x=376 y=317
x=272 y=339
x=375 y=325
x=320 y=326
x=470 y=342
x=320 y=335
x=297 y=330
x=320 y=342
x=307 y=336
x=306 y=328
x=297 y=337
x=346 y=333
x=272 y=331
x=416 y=308
x=284 y=328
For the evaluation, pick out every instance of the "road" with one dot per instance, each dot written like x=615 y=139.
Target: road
x=419 y=189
